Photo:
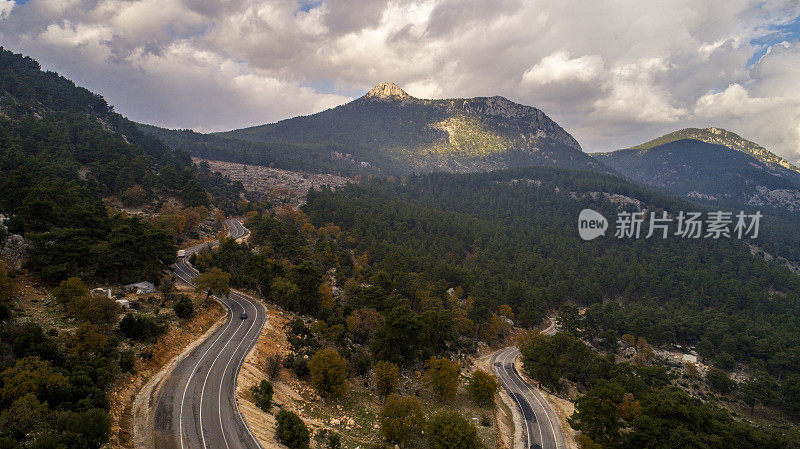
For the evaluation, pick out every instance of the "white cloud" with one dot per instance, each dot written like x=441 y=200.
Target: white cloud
x=767 y=109
x=5 y=8
x=68 y=35
x=559 y=67
x=734 y=102
x=634 y=95
x=610 y=74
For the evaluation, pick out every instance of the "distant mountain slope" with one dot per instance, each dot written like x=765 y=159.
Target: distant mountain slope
x=709 y=173
x=723 y=137
x=390 y=132
x=80 y=130
x=63 y=151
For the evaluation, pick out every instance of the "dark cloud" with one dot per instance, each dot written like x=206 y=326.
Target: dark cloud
x=346 y=16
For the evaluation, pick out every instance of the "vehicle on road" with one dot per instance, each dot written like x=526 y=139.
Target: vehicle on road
x=243 y=316
x=181 y=253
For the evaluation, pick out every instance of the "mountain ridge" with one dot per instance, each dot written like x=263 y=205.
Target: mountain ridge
x=717 y=167
x=389 y=132
x=724 y=137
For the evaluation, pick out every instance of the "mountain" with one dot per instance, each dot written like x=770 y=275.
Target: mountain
x=711 y=166
x=389 y=132
x=726 y=138
x=280 y=155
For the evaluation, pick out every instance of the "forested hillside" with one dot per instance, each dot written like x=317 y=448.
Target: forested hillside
x=303 y=158
x=68 y=166
x=62 y=150
x=511 y=237
x=708 y=172
x=719 y=136
x=644 y=403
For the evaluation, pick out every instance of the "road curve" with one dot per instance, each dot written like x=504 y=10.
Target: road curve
x=542 y=428
x=195 y=407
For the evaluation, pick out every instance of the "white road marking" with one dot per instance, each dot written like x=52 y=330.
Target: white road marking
x=183 y=397
x=225 y=370
x=211 y=368
x=519 y=405
x=256 y=303
x=545 y=408
x=185 y=272
x=538 y=421
x=180 y=267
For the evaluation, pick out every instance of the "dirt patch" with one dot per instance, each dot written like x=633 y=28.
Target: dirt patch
x=36 y=304
x=131 y=395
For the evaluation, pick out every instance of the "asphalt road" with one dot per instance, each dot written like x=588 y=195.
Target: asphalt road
x=541 y=426
x=196 y=405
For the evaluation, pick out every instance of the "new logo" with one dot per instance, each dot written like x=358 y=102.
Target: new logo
x=591 y=224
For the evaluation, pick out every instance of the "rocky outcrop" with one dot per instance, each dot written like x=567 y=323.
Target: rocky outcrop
x=387 y=91
x=528 y=120
x=15 y=251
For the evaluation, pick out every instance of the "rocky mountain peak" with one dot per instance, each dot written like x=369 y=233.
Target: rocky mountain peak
x=387 y=91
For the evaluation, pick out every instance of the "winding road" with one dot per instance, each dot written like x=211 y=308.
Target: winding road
x=195 y=406
x=542 y=428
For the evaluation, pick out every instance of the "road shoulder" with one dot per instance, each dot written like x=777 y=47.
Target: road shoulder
x=562 y=407
x=507 y=415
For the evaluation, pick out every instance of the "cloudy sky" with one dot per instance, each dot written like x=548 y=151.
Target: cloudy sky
x=613 y=73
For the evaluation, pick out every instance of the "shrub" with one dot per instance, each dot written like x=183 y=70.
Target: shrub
x=361 y=362
x=94 y=309
x=127 y=360
x=719 y=381
x=291 y=430
x=139 y=327
x=441 y=375
x=447 y=429
x=483 y=386
x=328 y=373
x=297 y=363
x=401 y=418
x=183 y=307
x=263 y=394
x=271 y=365
x=69 y=290
x=89 y=429
x=386 y=378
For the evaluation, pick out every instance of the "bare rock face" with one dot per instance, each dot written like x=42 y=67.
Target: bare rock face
x=16 y=251
x=387 y=91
